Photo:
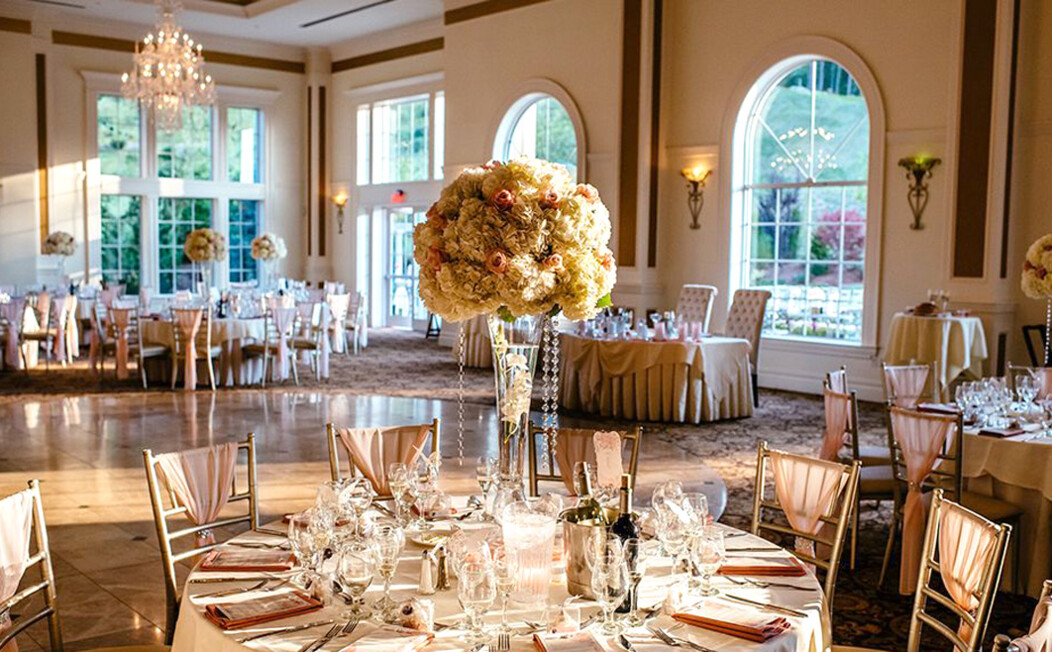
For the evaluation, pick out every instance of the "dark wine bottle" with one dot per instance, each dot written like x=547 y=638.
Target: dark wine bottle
x=625 y=527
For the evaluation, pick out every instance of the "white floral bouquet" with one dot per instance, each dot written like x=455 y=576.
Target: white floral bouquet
x=268 y=247
x=59 y=243
x=1037 y=269
x=205 y=246
x=516 y=238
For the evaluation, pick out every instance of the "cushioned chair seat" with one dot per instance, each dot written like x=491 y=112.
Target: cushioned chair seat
x=302 y=343
x=258 y=348
x=876 y=481
x=39 y=336
x=874 y=455
x=991 y=508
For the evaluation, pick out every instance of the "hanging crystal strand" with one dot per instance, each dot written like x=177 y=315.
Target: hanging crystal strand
x=546 y=400
x=555 y=391
x=1048 y=330
x=461 y=341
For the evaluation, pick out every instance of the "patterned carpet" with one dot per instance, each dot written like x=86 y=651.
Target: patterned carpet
x=398 y=363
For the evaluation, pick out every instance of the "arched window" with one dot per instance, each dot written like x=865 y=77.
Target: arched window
x=538 y=125
x=802 y=181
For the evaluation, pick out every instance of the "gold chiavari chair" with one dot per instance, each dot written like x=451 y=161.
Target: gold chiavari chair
x=335 y=443
x=838 y=516
x=204 y=349
x=269 y=348
x=632 y=438
x=968 y=635
x=894 y=376
x=166 y=506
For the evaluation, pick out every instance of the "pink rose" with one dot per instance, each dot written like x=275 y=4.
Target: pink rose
x=553 y=262
x=606 y=259
x=587 y=191
x=503 y=200
x=550 y=199
x=497 y=262
x=435 y=258
x=492 y=164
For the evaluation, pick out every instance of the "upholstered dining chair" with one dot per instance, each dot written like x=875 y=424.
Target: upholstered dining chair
x=927 y=454
x=814 y=496
x=695 y=303
x=276 y=350
x=573 y=445
x=22 y=522
x=370 y=450
x=176 y=490
x=745 y=320
x=967 y=552
x=192 y=341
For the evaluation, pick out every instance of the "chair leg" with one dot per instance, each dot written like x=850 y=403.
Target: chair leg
x=1017 y=580
x=171 y=618
x=211 y=374
x=175 y=369
x=888 y=548
x=854 y=532
x=755 y=390
x=295 y=370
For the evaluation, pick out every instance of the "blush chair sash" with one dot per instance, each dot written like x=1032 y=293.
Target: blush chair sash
x=13 y=312
x=201 y=479
x=905 y=384
x=838 y=407
x=189 y=323
x=306 y=310
x=573 y=445
x=922 y=438
x=284 y=317
x=966 y=542
x=373 y=449
x=1040 y=637
x=338 y=305
x=121 y=318
x=72 y=330
x=1043 y=375
x=807 y=489
x=324 y=343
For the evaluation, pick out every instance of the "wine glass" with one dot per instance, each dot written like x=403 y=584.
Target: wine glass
x=672 y=532
x=476 y=590
x=301 y=542
x=357 y=495
x=698 y=504
x=610 y=584
x=708 y=551
x=636 y=558
x=388 y=540
x=485 y=473
x=354 y=571
x=404 y=490
x=507 y=569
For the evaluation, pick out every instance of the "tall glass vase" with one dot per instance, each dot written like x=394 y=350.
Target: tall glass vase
x=515 y=345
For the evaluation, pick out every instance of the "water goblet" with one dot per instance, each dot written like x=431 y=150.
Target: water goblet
x=358 y=496
x=354 y=572
x=388 y=541
x=506 y=567
x=672 y=532
x=698 y=508
x=610 y=583
x=708 y=552
x=636 y=556
x=476 y=590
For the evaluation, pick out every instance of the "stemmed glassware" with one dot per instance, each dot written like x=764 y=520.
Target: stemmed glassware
x=310 y=534
x=708 y=552
x=354 y=572
x=1026 y=391
x=357 y=495
x=388 y=540
x=610 y=580
x=404 y=489
x=673 y=533
x=477 y=589
x=506 y=567
x=636 y=559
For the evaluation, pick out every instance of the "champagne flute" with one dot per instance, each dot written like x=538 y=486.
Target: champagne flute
x=708 y=551
x=507 y=571
x=636 y=558
x=476 y=590
x=388 y=539
x=354 y=571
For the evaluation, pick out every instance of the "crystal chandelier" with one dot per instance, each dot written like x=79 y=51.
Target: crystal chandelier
x=169 y=71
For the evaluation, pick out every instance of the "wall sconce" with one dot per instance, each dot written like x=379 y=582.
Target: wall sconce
x=696 y=178
x=340 y=199
x=918 y=171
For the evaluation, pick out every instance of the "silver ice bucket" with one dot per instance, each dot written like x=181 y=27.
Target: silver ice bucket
x=577 y=538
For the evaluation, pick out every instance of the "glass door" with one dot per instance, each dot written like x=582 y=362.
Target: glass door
x=404 y=307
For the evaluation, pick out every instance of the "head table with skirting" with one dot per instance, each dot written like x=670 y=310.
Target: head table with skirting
x=807 y=634
x=230 y=334
x=671 y=381
x=1018 y=470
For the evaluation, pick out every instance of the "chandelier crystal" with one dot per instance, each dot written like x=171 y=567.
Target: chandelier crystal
x=169 y=71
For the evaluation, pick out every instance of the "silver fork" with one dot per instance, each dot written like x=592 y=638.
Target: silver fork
x=503 y=642
x=317 y=643
x=226 y=592
x=745 y=581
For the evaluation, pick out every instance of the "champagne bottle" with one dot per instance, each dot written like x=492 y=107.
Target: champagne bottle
x=625 y=527
x=588 y=510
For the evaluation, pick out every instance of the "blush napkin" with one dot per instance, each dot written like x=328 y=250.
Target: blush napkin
x=567 y=642
x=248 y=561
x=241 y=613
x=764 y=566
x=740 y=622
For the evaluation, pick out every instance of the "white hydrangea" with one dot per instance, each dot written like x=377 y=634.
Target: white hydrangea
x=205 y=246
x=268 y=247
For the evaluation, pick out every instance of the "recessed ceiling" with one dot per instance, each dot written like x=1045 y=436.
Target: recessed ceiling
x=306 y=23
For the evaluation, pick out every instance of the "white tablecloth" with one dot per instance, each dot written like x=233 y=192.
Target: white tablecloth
x=811 y=634
x=229 y=334
x=690 y=382
x=957 y=345
x=1020 y=472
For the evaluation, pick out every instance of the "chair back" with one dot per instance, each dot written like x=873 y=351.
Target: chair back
x=566 y=446
x=814 y=496
x=938 y=436
x=203 y=338
x=164 y=498
x=745 y=319
x=695 y=303
x=370 y=450
x=837 y=380
x=1035 y=336
x=967 y=552
x=841 y=424
x=98 y=321
x=907 y=385
x=22 y=519
x=43 y=310
x=1043 y=376
x=339 y=304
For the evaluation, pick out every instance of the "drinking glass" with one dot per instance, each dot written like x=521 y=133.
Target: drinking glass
x=506 y=567
x=301 y=542
x=708 y=552
x=354 y=572
x=610 y=584
x=1026 y=391
x=636 y=559
x=403 y=489
x=672 y=532
x=476 y=590
x=388 y=540
x=485 y=473
x=698 y=504
x=357 y=495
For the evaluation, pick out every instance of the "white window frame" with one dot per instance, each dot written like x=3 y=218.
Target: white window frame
x=778 y=60
x=525 y=95
x=150 y=188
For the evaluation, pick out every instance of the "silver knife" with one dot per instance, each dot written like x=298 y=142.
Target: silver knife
x=625 y=643
x=764 y=605
x=285 y=630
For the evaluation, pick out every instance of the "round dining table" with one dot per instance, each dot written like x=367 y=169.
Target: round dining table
x=230 y=334
x=809 y=631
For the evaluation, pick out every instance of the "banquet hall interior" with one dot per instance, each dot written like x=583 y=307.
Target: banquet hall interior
x=298 y=292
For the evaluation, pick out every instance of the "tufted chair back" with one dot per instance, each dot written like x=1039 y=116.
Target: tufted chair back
x=745 y=319
x=695 y=303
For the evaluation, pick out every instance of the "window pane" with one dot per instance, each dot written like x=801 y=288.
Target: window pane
x=118 y=136
x=363 y=145
x=244 y=226
x=544 y=130
x=400 y=140
x=120 y=240
x=244 y=131
x=187 y=153
x=841 y=125
x=176 y=217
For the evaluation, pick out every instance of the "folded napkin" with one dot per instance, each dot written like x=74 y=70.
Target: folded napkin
x=1001 y=432
x=741 y=622
x=764 y=566
x=248 y=560
x=240 y=613
x=938 y=408
x=567 y=642
x=389 y=638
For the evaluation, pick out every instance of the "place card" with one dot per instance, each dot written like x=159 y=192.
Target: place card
x=764 y=566
x=241 y=613
x=567 y=642
x=740 y=622
x=273 y=561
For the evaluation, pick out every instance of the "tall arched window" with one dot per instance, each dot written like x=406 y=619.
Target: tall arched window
x=802 y=180
x=538 y=125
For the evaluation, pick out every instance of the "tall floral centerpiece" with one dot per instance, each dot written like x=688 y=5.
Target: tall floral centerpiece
x=268 y=249
x=205 y=247
x=60 y=245
x=517 y=242
x=1037 y=280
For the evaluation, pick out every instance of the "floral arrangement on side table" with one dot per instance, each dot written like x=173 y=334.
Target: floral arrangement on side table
x=268 y=248
x=1037 y=280
x=59 y=243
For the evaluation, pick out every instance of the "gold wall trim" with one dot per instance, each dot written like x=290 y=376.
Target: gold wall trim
x=15 y=25
x=655 y=135
x=628 y=196
x=485 y=8
x=77 y=39
x=323 y=194
x=42 y=162
x=400 y=52
x=310 y=167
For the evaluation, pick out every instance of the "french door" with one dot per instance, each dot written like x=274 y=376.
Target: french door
x=404 y=307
